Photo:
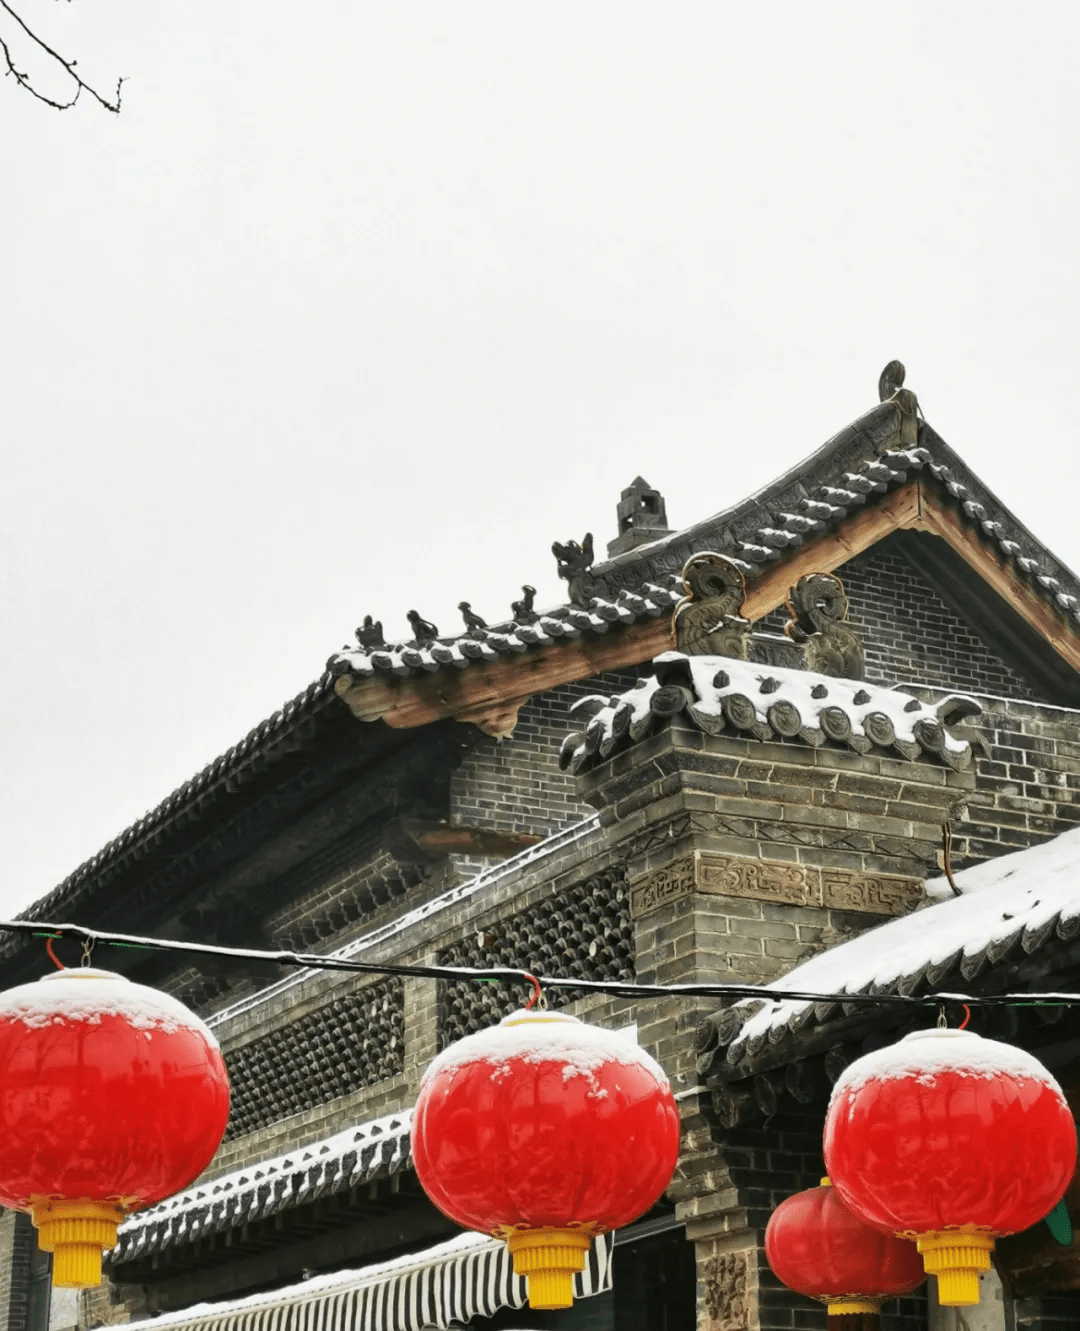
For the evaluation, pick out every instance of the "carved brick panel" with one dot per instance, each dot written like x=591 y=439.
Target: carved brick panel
x=879 y=894
x=667 y=884
x=774 y=880
x=724 y=1294
x=767 y=880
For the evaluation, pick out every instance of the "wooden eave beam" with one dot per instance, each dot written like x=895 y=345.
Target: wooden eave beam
x=491 y=694
x=939 y=519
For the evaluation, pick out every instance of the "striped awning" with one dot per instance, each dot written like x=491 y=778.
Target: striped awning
x=445 y=1286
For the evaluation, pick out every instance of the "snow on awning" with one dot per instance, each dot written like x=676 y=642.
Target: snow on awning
x=447 y=1285
x=1018 y=901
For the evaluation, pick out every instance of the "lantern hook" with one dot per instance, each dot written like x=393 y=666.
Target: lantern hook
x=52 y=955
x=87 y=949
x=539 y=999
x=942 y=1021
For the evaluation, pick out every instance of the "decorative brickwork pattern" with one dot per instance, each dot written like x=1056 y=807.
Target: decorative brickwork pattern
x=585 y=931
x=350 y=1043
x=349 y=890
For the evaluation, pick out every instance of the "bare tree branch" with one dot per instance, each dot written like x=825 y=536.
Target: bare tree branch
x=23 y=79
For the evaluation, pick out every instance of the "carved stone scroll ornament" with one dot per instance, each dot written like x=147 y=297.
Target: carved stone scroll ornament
x=818 y=606
x=574 y=566
x=707 y=621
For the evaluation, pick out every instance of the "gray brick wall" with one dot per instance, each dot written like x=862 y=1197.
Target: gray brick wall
x=1028 y=788
x=910 y=634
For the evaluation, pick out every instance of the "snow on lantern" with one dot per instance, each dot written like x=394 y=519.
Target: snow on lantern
x=950 y=1139
x=545 y=1131
x=112 y=1097
x=816 y=1246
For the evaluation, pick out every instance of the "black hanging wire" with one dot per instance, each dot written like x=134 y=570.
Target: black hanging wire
x=511 y=975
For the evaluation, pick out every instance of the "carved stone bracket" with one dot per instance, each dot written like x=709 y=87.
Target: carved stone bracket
x=772 y=880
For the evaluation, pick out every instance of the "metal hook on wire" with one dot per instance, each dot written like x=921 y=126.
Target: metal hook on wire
x=539 y=998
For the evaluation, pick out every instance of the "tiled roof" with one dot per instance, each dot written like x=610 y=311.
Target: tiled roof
x=376 y=1149
x=858 y=465
x=717 y=694
x=648 y=601
x=272 y=738
x=874 y=455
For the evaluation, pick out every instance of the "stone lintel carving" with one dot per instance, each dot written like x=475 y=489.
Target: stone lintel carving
x=818 y=606
x=664 y=885
x=708 y=620
x=712 y=874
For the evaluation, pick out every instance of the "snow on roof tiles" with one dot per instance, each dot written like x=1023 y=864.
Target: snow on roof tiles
x=1018 y=900
x=718 y=693
x=361 y=1153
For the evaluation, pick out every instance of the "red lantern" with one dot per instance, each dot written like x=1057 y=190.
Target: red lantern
x=950 y=1139
x=816 y=1246
x=112 y=1097
x=545 y=1131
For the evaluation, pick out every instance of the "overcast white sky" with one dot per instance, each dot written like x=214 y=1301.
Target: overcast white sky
x=357 y=306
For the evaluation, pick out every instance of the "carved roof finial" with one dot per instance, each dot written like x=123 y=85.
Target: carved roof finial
x=892 y=378
x=707 y=621
x=423 y=632
x=370 y=634
x=474 y=625
x=642 y=516
x=818 y=606
x=891 y=389
x=522 y=610
x=575 y=564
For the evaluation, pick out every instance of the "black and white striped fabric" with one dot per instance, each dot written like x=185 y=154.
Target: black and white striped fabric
x=441 y=1288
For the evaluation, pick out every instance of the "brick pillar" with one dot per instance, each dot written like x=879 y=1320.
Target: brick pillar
x=744 y=856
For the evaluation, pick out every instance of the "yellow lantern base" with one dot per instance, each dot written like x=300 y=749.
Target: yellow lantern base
x=549 y=1259
x=838 y=1307
x=956 y=1256
x=76 y=1233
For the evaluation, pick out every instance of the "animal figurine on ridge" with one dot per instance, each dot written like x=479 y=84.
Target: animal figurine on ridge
x=574 y=565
